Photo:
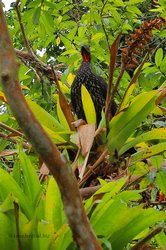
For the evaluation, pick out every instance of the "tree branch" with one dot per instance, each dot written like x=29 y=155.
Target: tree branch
x=141 y=243
x=3 y=125
x=87 y=192
x=34 y=62
x=57 y=164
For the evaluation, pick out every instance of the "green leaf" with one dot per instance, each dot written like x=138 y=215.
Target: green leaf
x=160 y=238
x=97 y=36
x=47 y=20
x=163 y=65
x=32 y=185
x=53 y=205
x=161 y=180
x=81 y=31
x=110 y=189
x=44 y=117
x=57 y=137
x=158 y=133
x=158 y=57
x=88 y=106
x=8 y=203
x=17 y=172
x=47 y=231
x=124 y=123
x=132 y=2
x=8 y=184
x=107 y=200
x=36 y=16
x=23 y=2
x=8 y=232
x=157 y=161
x=126 y=98
x=116 y=15
x=134 y=10
x=62 y=239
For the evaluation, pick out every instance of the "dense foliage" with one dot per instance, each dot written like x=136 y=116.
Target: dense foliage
x=128 y=209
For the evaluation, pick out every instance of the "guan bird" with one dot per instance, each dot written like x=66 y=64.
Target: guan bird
x=95 y=85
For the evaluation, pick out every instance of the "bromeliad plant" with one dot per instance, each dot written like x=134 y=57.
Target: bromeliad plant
x=32 y=215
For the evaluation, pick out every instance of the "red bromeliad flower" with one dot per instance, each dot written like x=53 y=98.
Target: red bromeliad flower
x=137 y=42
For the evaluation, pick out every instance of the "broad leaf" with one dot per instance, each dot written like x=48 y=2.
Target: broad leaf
x=158 y=57
x=117 y=219
x=131 y=222
x=8 y=239
x=44 y=117
x=124 y=123
x=8 y=184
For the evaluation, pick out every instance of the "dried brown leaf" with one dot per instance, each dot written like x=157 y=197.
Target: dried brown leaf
x=86 y=137
x=8 y=152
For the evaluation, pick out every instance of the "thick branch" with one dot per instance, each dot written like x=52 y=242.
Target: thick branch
x=31 y=60
x=57 y=164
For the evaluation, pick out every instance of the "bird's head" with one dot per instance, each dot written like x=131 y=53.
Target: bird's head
x=85 y=51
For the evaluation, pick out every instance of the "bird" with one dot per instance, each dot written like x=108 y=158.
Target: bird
x=95 y=85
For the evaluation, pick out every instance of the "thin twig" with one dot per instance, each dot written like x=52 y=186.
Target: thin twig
x=16 y=132
x=25 y=145
x=102 y=23
x=156 y=203
x=56 y=80
x=94 y=167
x=26 y=41
x=117 y=84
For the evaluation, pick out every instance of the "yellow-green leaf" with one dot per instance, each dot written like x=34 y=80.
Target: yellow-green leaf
x=53 y=205
x=44 y=117
x=148 y=152
x=88 y=106
x=158 y=133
